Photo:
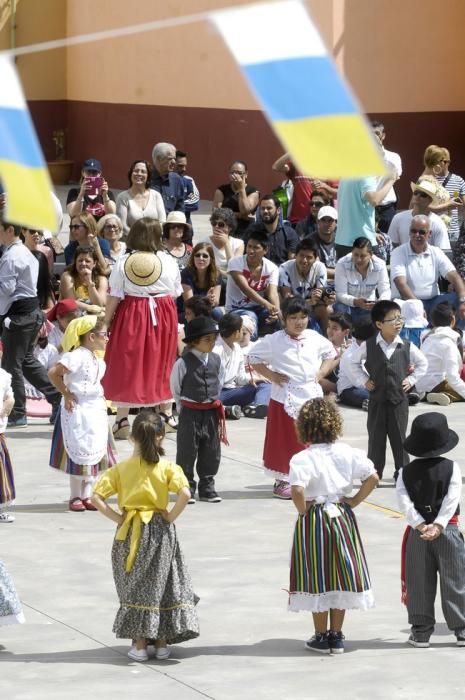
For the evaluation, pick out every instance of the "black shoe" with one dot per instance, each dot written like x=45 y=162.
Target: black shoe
x=20 y=422
x=53 y=417
x=413 y=398
x=210 y=497
x=233 y=412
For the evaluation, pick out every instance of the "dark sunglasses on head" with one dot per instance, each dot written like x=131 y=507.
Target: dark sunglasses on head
x=202 y=255
x=418 y=193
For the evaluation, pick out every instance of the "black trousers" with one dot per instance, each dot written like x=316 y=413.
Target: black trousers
x=198 y=445
x=385 y=214
x=387 y=420
x=18 y=337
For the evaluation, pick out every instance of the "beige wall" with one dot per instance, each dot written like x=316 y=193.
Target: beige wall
x=43 y=74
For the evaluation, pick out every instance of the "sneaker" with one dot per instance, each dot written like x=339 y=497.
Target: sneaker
x=336 y=642
x=138 y=654
x=365 y=404
x=282 y=489
x=211 y=497
x=438 y=398
x=461 y=640
x=6 y=517
x=121 y=429
x=413 y=398
x=417 y=643
x=255 y=411
x=20 y=422
x=319 y=642
x=232 y=412
x=162 y=653
x=191 y=500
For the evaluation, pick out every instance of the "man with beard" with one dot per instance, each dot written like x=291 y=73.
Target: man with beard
x=282 y=239
x=325 y=239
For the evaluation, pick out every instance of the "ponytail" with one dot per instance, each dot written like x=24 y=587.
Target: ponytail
x=147 y=430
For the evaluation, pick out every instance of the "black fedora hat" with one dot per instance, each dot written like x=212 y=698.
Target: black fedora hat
x=430 y=436
x=198 y=327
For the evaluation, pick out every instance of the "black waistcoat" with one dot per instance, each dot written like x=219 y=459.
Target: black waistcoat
x=427 y=483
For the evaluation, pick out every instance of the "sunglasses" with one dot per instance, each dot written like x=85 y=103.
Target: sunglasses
x=218 y=224
x=110 y=227
x=317 y=205
x=205 y=256
x=418 y=193
x=419 y=231
x=74 y=226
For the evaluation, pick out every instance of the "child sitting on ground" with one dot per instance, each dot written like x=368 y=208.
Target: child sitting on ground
x=440 y=344
x=347 y=391
x=61 y=316
x=238 y=391
x=415 y=321
x=429 y=490
x=338 y=332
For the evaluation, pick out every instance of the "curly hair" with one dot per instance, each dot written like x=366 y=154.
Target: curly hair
x=319 y=420
x=211 y=271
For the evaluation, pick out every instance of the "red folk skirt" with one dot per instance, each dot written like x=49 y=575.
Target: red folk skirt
x=139 y=355
x=281 y=441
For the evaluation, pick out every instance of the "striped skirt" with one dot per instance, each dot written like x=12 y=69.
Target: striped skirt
x=7 y=482
x=328 y=566
x=59 y=458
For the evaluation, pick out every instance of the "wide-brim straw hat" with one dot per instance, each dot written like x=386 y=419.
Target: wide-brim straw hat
x=430 y=436
x=176 y=217
x=142 y=269
x=426 y=186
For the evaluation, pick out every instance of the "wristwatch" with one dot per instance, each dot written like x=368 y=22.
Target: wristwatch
x=462 y=300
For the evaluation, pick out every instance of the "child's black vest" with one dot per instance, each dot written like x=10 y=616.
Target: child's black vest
x=427 y=483
x=201 y=381
x=387 y=375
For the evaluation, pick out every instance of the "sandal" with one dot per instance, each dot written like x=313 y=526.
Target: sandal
x=121 y=429
x=171 y=422
x=259 y=411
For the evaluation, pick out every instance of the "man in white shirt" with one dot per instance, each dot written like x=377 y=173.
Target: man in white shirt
x=417 y=266
x=359 y=275
x=440 y=345
x=423 y=196
x=252 y=286
x=387 y=207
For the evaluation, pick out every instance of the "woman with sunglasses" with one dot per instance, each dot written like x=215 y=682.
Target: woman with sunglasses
x=201 y=276
x=110 y=229
x=83 y=232
x=225 y=245
x=85 y=281
x=176 y=234
x=308 y=226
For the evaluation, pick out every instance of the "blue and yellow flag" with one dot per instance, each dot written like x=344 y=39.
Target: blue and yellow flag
x=23 y=172
x=296 y=82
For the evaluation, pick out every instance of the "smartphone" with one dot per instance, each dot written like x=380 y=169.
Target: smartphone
x=94 y=184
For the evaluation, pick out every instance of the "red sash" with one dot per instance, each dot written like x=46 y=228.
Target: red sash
x=218 y=407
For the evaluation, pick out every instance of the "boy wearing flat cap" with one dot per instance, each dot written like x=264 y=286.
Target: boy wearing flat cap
x=428 y=490
x=196 y=381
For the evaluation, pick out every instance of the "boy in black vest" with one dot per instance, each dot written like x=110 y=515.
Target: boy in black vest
x=429 y=490
x=196 y=381
x=393 y=366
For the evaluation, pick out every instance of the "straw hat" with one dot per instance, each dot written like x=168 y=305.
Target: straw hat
x=142 y=269
x=428 y=187
x=176 y=217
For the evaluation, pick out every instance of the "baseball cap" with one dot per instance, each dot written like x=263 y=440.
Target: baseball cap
x=327 y=211
x=92 y=164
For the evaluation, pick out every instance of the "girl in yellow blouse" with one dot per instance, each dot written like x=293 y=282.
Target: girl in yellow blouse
x=151 y=578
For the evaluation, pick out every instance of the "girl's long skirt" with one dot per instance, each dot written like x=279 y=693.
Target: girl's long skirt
x=7 y=482
x=281 y=441
x=11 y=611
x=139 y=354
x=60 y=459
x=156 y=596
x=328 y=566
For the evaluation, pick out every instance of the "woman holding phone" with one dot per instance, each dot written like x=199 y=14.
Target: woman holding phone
x=93 y=196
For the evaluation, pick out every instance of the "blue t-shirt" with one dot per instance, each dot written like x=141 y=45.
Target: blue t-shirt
x=70 y=249
x=355 y=216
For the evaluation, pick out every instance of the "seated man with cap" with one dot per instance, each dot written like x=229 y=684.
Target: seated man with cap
x=423 y=196
x=417 y=266
x=93 y=195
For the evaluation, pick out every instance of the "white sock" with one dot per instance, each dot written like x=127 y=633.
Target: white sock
x=87 y=486
x=75 y=487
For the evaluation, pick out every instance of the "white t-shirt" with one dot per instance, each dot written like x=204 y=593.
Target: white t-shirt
x=235 y=299
x=399 y=229
x=421 y=270
x=220 y=253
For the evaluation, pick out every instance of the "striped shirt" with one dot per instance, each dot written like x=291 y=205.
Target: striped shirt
x=456 y=188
